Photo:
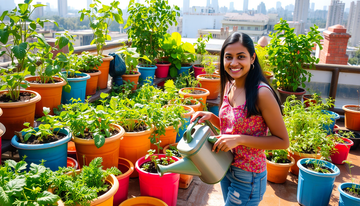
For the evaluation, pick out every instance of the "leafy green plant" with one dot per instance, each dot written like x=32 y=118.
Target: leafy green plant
x=186 y=81
x=201 y=45
x=175 y=151
x=209 y=66
x=131 y=59
x=263 y=57
x=352 y=189
x=88 y=62
x=100 y=17
x=317 y=166
x=155 y=160
x=288 y=53
x=277 y=156
x=148 y=25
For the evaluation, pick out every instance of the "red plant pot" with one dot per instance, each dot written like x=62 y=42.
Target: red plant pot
x=162 y=70
x=342 y=151
x=127 y=168
x=198 y=69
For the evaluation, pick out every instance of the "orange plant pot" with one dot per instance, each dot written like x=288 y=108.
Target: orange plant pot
x=135 y=145
x=168 y=138
x=87 y=151
x=104 y=68
x=352 y=117
x=132 y=78
x=195 y=107
x=15 y=114
x=297 y=156
x=200 y=97
x=92 y=83
x=185 y=180
x=277 y=172
x=268 y=75
x=143 y=201
x=50 y=94
x=212 y=85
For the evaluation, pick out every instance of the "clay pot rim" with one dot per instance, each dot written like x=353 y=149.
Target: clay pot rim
x=167 y=146
x=33 y=100
x=107 y=58
x=131 y=75
x=73 y=160
x=130 y=169
x=46 y=85
x=163 y=64
x=107 y=140
x=304 y=155
x=93 y=73
x=282 y=164
x=207 y=93
x=350 y=110
x=201 y=77
x=296 y=93
x=187 y=108
x=145 y=200
x=137 y=166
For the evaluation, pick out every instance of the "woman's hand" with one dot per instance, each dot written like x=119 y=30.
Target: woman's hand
x=226 y=143
x=204 y=116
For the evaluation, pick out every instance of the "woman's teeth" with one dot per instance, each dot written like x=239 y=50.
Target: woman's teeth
x=235 y=70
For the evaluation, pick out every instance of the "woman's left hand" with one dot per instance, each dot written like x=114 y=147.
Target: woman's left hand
x=225 y=143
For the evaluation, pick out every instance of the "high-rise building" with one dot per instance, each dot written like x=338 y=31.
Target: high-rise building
x=301 y=14
x=7 y=5
x=289 y=7
x=39 y=11
x=278 y=5
x=62 y=8
x=88 y=2
x=325 y=8
x=48 y=9
x=186 y=6
x=246 y=5
x=215 y=5
x=231 y=6
x=353 y=23
x=312 y=6
x=261 y=9
x=208 y=3
x=335 y=13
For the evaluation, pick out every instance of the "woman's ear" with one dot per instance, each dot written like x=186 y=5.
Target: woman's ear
x=253 y=58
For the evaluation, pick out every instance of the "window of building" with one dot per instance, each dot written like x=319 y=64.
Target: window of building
x=242 y=28
x=249 y=28
x=256 y=28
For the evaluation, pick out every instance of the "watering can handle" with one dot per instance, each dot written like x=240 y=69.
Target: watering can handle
x=188 y=137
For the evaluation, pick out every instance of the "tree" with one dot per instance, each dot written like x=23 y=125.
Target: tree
x=356 y=59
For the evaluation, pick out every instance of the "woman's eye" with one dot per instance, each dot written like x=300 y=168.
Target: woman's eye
x=240 y=57
x=228 y=57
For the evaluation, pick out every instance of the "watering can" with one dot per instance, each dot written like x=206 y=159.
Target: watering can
x=199 y=160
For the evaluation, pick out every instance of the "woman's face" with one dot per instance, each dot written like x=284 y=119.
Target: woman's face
x=237 y=60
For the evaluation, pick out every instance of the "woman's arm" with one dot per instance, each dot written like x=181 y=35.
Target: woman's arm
x=207 y=116
x=272 y=115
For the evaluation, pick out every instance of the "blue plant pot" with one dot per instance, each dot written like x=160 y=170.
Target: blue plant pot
x=184 y=70
x=118 y=80
x=54 y=153
x=182 y=129
x=314 y=189
x=335 y=116
x=146 y=73
x=214 y=109
x=346 y=199
x=78 y=89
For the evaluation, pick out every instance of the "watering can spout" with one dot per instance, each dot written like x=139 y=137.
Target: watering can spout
x=183 y=166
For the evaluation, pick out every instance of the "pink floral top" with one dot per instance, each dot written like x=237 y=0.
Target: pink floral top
x=233 y=121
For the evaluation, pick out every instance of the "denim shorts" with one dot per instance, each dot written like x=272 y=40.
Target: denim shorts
x=240 y=187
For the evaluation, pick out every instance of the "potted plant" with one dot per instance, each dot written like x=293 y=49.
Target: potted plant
x=141 y=200
x=168 y=184
x=201 y=52
x=352 y=115
x=88 y=63
x=278 y=163
x=349 y=192
x=210 y=81
x=262 y=55
x=342 y=146
x=288 y=53
x=127 y=168
x=147 y=26
x=316 y=181
x=100 y=17
x=311 y=99
x=46 y=142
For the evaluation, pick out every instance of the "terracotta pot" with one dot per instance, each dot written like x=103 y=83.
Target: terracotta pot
x=352 y=117
x=277 y=172
x=185 y=180
x=132 y=78
x=17 y=113
x=168 y=138
x=284 y=94
x=143 y=200
x=212 y=85
x=92 y=83
x=201 y=97
x=162 y=70
x=196 y=107
x=268 y=75
x=135 y=145
x=297 y=156
x=87 y=151
x=104 y=68
x=307 y=99
x=50 y=94
x=127 y=168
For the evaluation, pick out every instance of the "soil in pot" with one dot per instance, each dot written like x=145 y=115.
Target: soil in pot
x=175 y=151
x=91 y=71
x=24 y=96
x=89 y=135
x=280 y=161
x=357 y=108
x=139 y=127
x=38 y=81
x=194 y=91
x=34 y=140
x=151 y=168
x=352 y=191
x=323 y=169
x=210 y=77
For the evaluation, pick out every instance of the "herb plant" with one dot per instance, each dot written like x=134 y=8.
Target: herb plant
x=88 y=62
x=186 y=81
x=201 y=45
x=131 y=59
x=263 y=56
x=352 y=189
x=277 y=156
x=209 y=66
x=317 y=166
x=155 y=160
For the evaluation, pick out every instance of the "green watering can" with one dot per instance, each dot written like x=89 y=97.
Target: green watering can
x=199 y=160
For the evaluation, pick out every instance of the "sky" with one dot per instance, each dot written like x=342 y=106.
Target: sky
x=238 y=4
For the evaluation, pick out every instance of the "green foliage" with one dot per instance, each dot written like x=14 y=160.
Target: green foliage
x=262 y=55
x=201 y=45
x=353 y=188
x=186 y=81
x=100 y=17
x=156 y=160
x=277 y=156
x=318 y=165
x=148 y=25
x=356 y=59
x=209 y=66
x=88 y=62
x=289 y=52
x=131 y=59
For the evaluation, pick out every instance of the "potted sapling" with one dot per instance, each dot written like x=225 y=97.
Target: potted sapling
x=210 y=81
x=349 y=191
x=278 y=163
x=201 y=52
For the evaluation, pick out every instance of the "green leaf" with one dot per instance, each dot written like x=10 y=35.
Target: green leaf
x=23 y=8
x=4 y=198
x=2 y=53
x=173 y=72
x=27 y=136
x=15 y=18
x=177 y=37
x=16 y=185
x=82 y=16
x=33 y=25
x=3 y=15
x=41 y=39
x=20 y=50
x=67 y=88
x=63 y=41
x=20 y=165
x=108 y=37
x=99 y=140
x=38 y=5
x=4 y=36
x=47 y=198
x=104 y=95
x=188 y=47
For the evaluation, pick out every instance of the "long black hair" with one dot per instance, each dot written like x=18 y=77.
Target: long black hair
x=254 y=77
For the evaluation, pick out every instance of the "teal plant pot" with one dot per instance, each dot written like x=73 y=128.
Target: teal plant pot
x=314 y=188
x=334 y=116
x=214 y=109
x=184 y=70
x=54 y=153
x=118 y=80
x=147 y=73
x=78 y=89
x=346 y=199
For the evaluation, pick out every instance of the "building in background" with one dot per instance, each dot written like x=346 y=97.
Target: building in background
x=82 y=38
x=7 y=5
x=186 y=6
x=62 y=8
x=278 y=5
x=335 y=13
x=208 y=3
x=192 y=22
x=312 y=6
x=39 y=11
x=261 y=9
x=215 y=5
x=246 y=5
x=231 y=8
x=290 y=7
x=223 y=9
x=354 y=23
x=300 y=16
x=325 y=8
x=48 y=8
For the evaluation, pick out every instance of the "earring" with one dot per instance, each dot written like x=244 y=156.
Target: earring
x=252 y=66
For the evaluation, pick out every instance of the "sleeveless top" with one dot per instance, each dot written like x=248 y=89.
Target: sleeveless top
x=233 y=121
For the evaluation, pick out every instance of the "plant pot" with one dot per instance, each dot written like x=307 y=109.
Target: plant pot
x=143 y=200
x=87 y=151
x=201 y=97
x=212 y=85
x=307 y=99
x=355 y=139
x=297 y=156
x=185 y=180
x=151 y=184
x=127 y=168
x=268 y=75
x=78 y=89
x=146 y=73
x=334 y=116
x=342 y=151
x=92 y=83
x=162 y=70
x=2 y=132
x=50 y=94
x=118 y=80
x=184 y=70
x=132 y=78
x=198 y=69
x=214 y=109
x=135 y=145
x=186 y=117
x=168 y=138
x=352 y=117
x=17 y=113
x=277 y=172
x=196 y=105
x=54 y=153
x=346 y=199
x=104 y=68
x=284 y=94
x=71 y=150
x=71 y=162
x=315 y=188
